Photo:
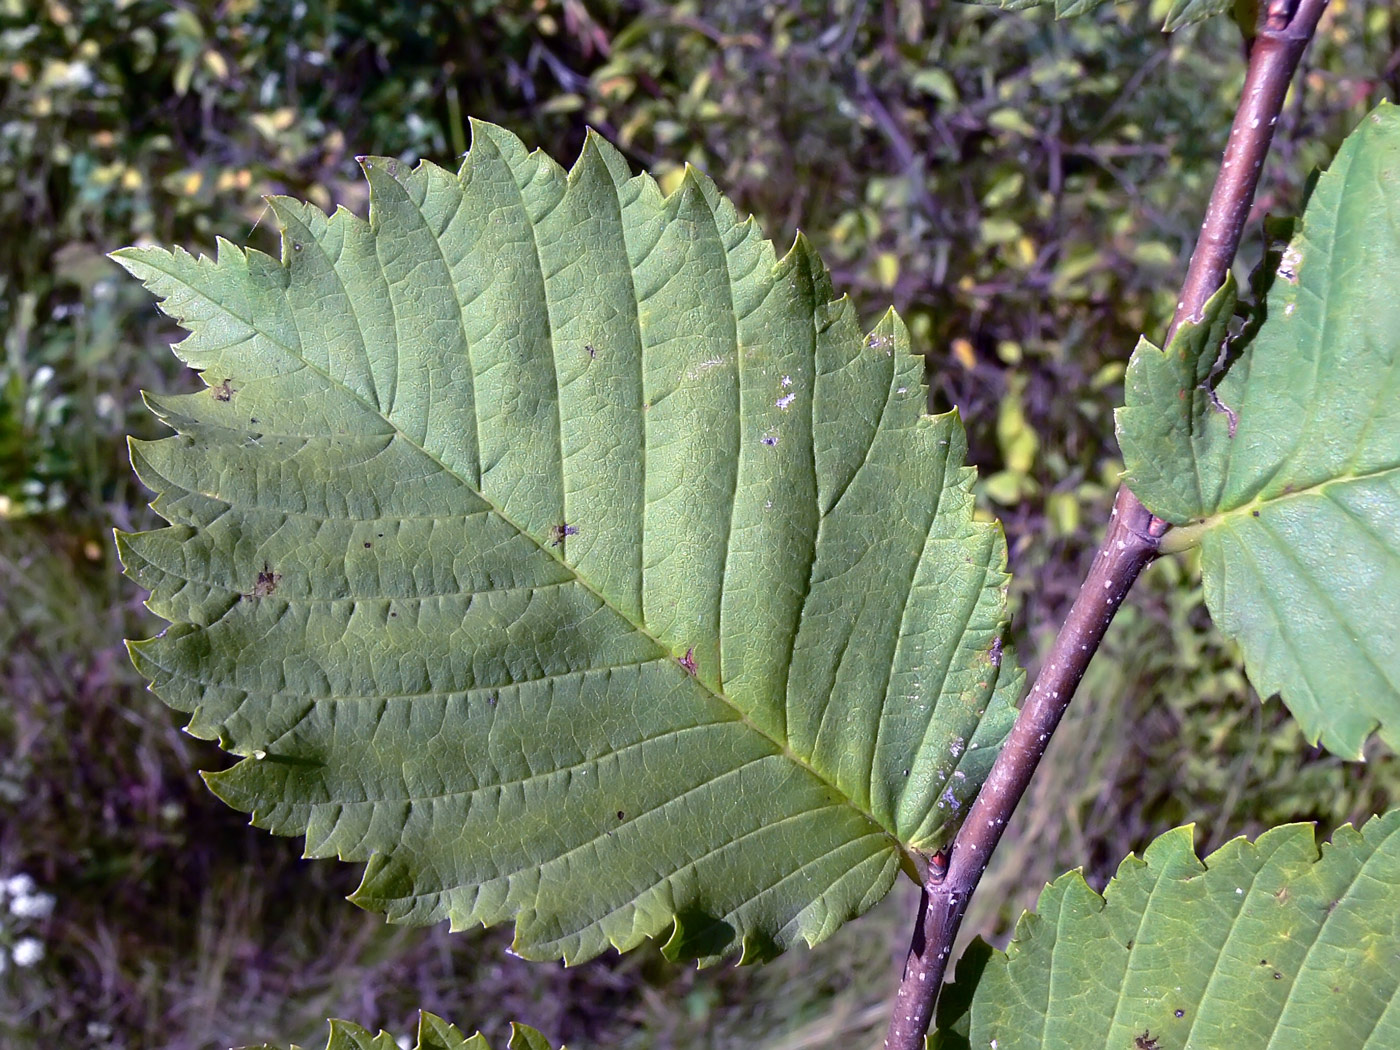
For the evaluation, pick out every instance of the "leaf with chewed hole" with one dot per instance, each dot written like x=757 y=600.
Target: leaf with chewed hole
x=1286 y=468
x=555 y=548
x=1265 y=944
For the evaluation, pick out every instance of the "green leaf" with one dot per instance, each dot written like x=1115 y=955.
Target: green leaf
x=1298 y=511
x=1263 y=945
x=1181 y=13
x=556 y=549
x=433 y=1034
x=1063 y=8
x=1185 y=12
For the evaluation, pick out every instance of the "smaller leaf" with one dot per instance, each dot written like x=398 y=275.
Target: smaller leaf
x=433 y=1034
x=1266 y=943
x=1284 y=464
x=1168 y=403
x=1186 y=12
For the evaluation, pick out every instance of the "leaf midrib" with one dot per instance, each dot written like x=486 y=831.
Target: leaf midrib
x=782 y=747
x=1260 y=503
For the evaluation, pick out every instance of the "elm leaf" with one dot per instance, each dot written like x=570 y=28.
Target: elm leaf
x=1286 y=468
x=1264 y=944
x=555 y=549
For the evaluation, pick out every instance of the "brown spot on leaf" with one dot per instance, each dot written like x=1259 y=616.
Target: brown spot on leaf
x=224 y=391
x=267 y=582
x=995 y=654
x=1146 y=1041
x=688 y=661
x=558 y=532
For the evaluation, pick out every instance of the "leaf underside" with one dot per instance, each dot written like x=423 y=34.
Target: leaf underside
x=433 y=1034
x=1181 y=13
x=556 y=549
x=1299 y=510
x=1263 y=945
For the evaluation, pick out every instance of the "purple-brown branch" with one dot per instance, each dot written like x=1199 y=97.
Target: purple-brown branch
x=1129 y=545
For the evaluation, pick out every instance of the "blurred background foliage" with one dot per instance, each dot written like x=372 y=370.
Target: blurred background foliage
x=1025 y=191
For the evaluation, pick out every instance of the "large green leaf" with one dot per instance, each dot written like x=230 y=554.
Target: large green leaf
x=1298 y=510
x=433 y=1034
x=1180 y=13
x=1263 y=945
x=555 y=548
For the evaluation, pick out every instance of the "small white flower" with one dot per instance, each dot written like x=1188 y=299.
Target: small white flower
x=33 y=906
x=20 y=885
x=27 y=951
x=77 y=75
x=105 y=405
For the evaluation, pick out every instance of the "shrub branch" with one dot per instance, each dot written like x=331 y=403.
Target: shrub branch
x=1129 y=545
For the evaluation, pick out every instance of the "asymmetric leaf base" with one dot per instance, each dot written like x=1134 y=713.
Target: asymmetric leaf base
x=558 y=551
